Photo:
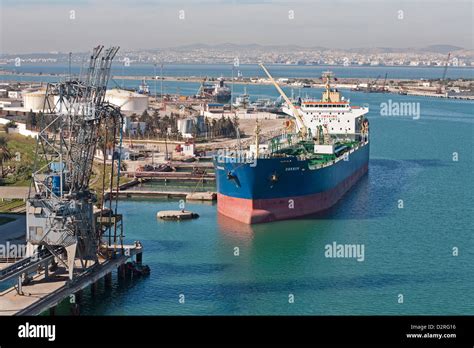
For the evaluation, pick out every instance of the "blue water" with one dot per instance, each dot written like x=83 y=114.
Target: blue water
x=253 y=70
x=408 y=251
x=216 y=70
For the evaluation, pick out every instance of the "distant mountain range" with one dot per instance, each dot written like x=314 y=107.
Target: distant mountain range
x=232 y=46
x=442 y=48
x=439 y=48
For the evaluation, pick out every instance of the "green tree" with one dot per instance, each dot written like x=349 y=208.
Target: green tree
x=5 y=154
x=145 y=117
x=31 y=120
x=213 y=127
x=195 y=130
x=10 y=124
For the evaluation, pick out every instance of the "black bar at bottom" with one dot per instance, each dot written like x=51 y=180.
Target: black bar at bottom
x=412 y=330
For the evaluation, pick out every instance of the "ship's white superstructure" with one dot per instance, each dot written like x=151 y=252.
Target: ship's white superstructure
x=336 y=118
x=335 y=114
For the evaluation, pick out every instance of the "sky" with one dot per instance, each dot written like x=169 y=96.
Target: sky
x=28 y=26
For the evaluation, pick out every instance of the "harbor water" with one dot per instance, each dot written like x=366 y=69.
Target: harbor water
x=412 y=213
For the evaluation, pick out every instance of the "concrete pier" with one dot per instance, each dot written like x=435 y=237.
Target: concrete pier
x=201 y=196
x=94 y=288
x=108 y=278
x=44 y=293
x=196 y=196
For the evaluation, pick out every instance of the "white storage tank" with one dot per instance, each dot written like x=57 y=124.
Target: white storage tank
x=35 y=100
x=127 y=100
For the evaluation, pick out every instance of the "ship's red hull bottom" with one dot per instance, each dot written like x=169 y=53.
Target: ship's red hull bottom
x=257 y=211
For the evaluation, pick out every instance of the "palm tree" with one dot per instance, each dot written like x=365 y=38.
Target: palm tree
x=5 y=154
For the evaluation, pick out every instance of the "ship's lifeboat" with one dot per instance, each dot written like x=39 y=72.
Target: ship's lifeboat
x=289 y=125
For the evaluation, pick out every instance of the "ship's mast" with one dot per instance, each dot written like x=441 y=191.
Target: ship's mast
x=257 y=139
x=328 y=87
x=329 y=95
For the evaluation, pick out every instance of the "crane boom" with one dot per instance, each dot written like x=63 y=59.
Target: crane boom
x=446 y=67
x=443 y=78
x=384 y=82
x=294 y=110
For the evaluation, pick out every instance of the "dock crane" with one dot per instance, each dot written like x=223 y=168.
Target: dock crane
x=439 y=90
x=371 y=85
x=61 y=214
x=200 y=91
x=294 y=110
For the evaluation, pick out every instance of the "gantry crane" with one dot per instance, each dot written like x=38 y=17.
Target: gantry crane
x=61 y=217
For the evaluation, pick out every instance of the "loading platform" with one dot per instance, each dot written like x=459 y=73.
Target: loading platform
x=46 y=289
x=190 y=196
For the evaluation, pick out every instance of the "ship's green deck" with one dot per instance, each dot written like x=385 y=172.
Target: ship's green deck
x=307 y=147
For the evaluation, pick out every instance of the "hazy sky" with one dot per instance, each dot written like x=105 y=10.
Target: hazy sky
x=45 y=25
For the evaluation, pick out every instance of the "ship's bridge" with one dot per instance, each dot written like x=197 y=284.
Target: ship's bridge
x=319 y=105
x=336 y=117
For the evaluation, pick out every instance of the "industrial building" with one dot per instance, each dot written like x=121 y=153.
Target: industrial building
x=187 y=126
x=133 y=127
x=10 y=103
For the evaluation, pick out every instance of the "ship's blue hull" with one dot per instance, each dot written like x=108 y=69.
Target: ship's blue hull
x=283 y=188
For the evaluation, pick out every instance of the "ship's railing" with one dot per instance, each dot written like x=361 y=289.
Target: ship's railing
x=341 y=158
x=283 y=143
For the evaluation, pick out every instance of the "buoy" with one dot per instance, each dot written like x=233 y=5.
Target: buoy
x=176 y=215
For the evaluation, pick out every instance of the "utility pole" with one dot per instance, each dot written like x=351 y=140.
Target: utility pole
x=232 y=89
x=154 y=65
x=166 y=146
x=70 y=58
x=123 y=75
x=161 y=79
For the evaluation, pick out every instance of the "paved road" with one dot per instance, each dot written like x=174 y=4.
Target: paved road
x=13 y=230
x=14 y=192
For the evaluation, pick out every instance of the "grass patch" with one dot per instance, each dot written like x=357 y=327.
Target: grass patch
x=8 y=205
x=96 y=178
x=26 y=147
x=23 y=151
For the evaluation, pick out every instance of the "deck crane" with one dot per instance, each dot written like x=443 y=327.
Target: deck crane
x=294 y=110
x=443 y=78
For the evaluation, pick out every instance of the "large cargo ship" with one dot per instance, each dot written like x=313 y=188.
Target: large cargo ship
x=218 y=91
x=320 y=154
